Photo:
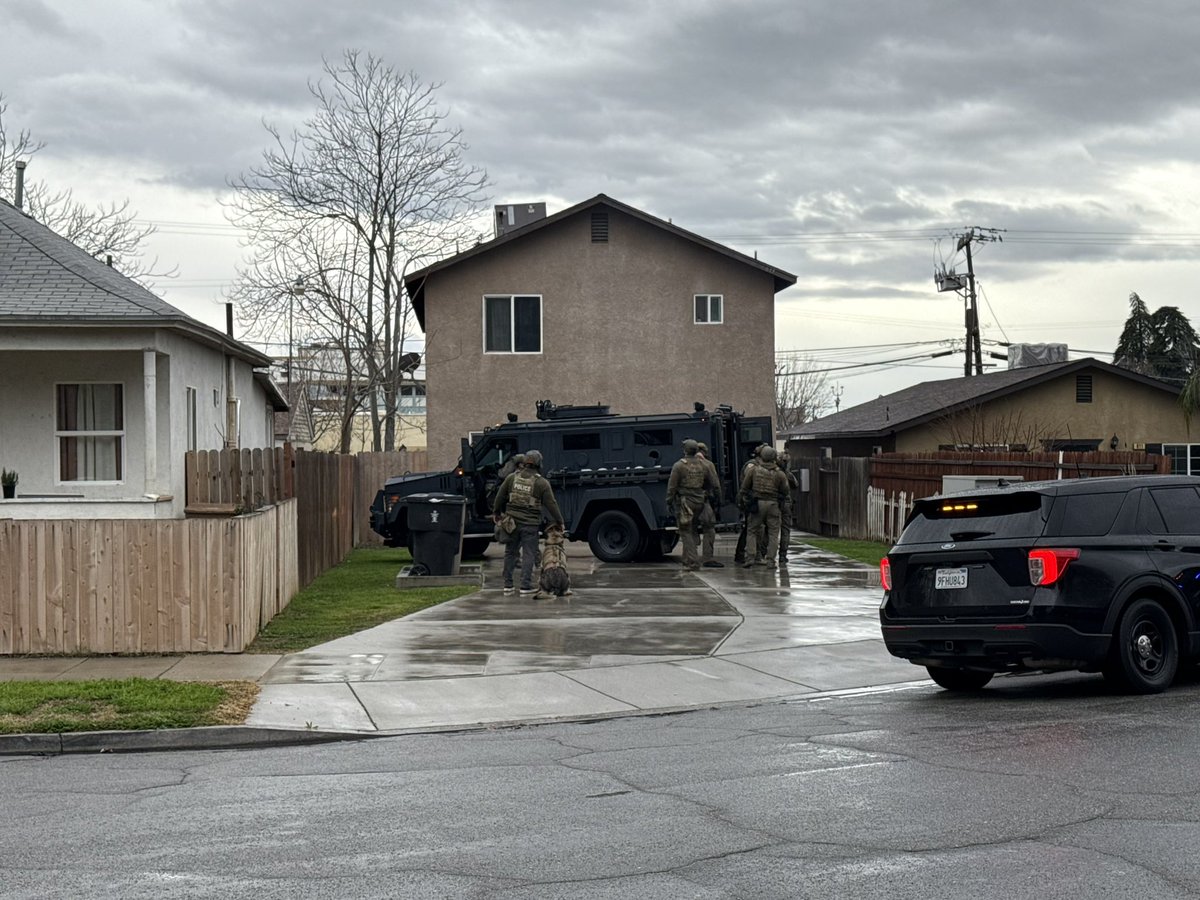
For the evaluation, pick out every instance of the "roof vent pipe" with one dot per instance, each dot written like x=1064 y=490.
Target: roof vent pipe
x=19 y=198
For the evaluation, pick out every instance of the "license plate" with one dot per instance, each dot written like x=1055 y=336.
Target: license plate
x=948 y=579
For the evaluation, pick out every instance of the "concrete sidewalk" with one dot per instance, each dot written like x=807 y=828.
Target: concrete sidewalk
x=632 y=639
x=647 y=637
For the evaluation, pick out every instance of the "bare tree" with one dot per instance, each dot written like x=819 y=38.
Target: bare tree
x=979 y=427
x=373 y=184
x=107 y=230
x=802 y=393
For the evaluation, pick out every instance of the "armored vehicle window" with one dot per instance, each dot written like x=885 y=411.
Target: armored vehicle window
x=1089 y=514
x=581 y=441
x=656 y=437
x=1180 y=508
x=754 y=434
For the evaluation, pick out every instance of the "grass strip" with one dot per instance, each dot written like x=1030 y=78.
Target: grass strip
x=358 y=593
x=56 y=707
x=863 y=551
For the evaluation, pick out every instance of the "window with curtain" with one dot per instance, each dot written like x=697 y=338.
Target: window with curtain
x=90 y=428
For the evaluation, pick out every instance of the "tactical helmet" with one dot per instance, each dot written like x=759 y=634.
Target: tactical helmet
x=690 y=447
x=533 y=458
x=758 y=450
x=767 y=454
x=703 y=447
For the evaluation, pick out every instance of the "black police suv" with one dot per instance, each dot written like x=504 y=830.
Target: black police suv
x=1098 y=574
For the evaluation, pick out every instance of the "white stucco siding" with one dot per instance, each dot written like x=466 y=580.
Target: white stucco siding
x=34 y=361
x=28 y=385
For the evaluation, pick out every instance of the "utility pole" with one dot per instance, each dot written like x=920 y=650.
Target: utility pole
x=949 y=281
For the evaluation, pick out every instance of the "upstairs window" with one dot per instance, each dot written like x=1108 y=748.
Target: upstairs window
x=710 y=309
x=512 y=323
x=90 y=429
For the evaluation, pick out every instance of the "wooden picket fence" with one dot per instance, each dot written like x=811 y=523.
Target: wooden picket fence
x=227 y=482
x=886 y=513
x=84 y=586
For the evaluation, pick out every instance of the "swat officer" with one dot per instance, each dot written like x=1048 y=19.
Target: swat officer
x=523 y=496
x=764 y=491
x=785 y=522
x=739 y=553
x=707 y=521
x=692 y=479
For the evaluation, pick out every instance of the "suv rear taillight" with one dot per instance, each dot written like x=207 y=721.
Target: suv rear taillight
x=885 y=573
x=1047 y=566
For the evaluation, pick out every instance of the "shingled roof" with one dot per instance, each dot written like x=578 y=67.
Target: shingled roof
x=47 y=280
x=414 y=282
x=935 y=399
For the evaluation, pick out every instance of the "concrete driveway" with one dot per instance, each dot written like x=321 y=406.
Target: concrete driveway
x=633 y=638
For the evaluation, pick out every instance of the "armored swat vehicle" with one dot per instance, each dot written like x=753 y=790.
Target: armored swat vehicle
x=609 y=474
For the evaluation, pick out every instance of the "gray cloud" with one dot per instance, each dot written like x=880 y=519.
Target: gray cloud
x=837 y=140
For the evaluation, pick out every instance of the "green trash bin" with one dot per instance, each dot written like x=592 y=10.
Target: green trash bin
x=436 y=523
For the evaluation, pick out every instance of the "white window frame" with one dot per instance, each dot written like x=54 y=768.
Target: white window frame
x=512 y=325
x=1190 y=469
x=714 y=301
x=120 y=434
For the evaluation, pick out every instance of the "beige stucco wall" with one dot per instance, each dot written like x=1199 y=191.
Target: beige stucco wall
x=1136 y=413
x=410 y=433
x=617 y=328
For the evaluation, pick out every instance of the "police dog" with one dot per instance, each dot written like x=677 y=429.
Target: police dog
x=554 y=581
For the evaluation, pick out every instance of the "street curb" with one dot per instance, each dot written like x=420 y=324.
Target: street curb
x=217 y=737
x=246 y=737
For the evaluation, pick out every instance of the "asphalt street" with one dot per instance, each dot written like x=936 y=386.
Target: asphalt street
x=1047 y=787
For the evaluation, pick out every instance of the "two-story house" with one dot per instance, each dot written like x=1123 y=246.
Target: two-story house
x=598 y=303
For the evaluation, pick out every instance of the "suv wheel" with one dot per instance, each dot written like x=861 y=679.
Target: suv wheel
x=958 y=679
x=1145 y=651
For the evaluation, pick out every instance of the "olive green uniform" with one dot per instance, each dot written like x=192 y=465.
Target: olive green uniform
x=708 y=524
x=765 y=490
x=690 y=482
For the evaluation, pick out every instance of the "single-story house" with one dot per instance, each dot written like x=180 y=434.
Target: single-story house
x=104 y=386
x=1082 y=404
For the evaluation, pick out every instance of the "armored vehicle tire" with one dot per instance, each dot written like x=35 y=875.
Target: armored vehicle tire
x=614 y=537
x=474 y=548
x=1145 y=649
x=958 y=679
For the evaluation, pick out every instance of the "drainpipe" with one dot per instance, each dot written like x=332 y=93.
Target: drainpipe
x=19 y=198
x=231 y=403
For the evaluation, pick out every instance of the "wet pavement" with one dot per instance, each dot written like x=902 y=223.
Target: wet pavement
x=631 y=638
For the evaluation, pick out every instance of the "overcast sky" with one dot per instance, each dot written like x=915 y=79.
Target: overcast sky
x=836 y=140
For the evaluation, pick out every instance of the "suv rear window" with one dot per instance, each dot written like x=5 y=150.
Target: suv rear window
x=1087 y=514
x=939 y=519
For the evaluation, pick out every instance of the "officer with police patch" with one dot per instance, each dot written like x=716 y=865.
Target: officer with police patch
x=523 y=496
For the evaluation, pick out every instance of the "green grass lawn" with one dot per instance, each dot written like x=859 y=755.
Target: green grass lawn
x=864 y=551
x=357 y=594
x=54 y=707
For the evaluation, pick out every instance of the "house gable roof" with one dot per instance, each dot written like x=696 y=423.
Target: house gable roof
x=45 y=280
x=931 y=400
x=415 y=282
